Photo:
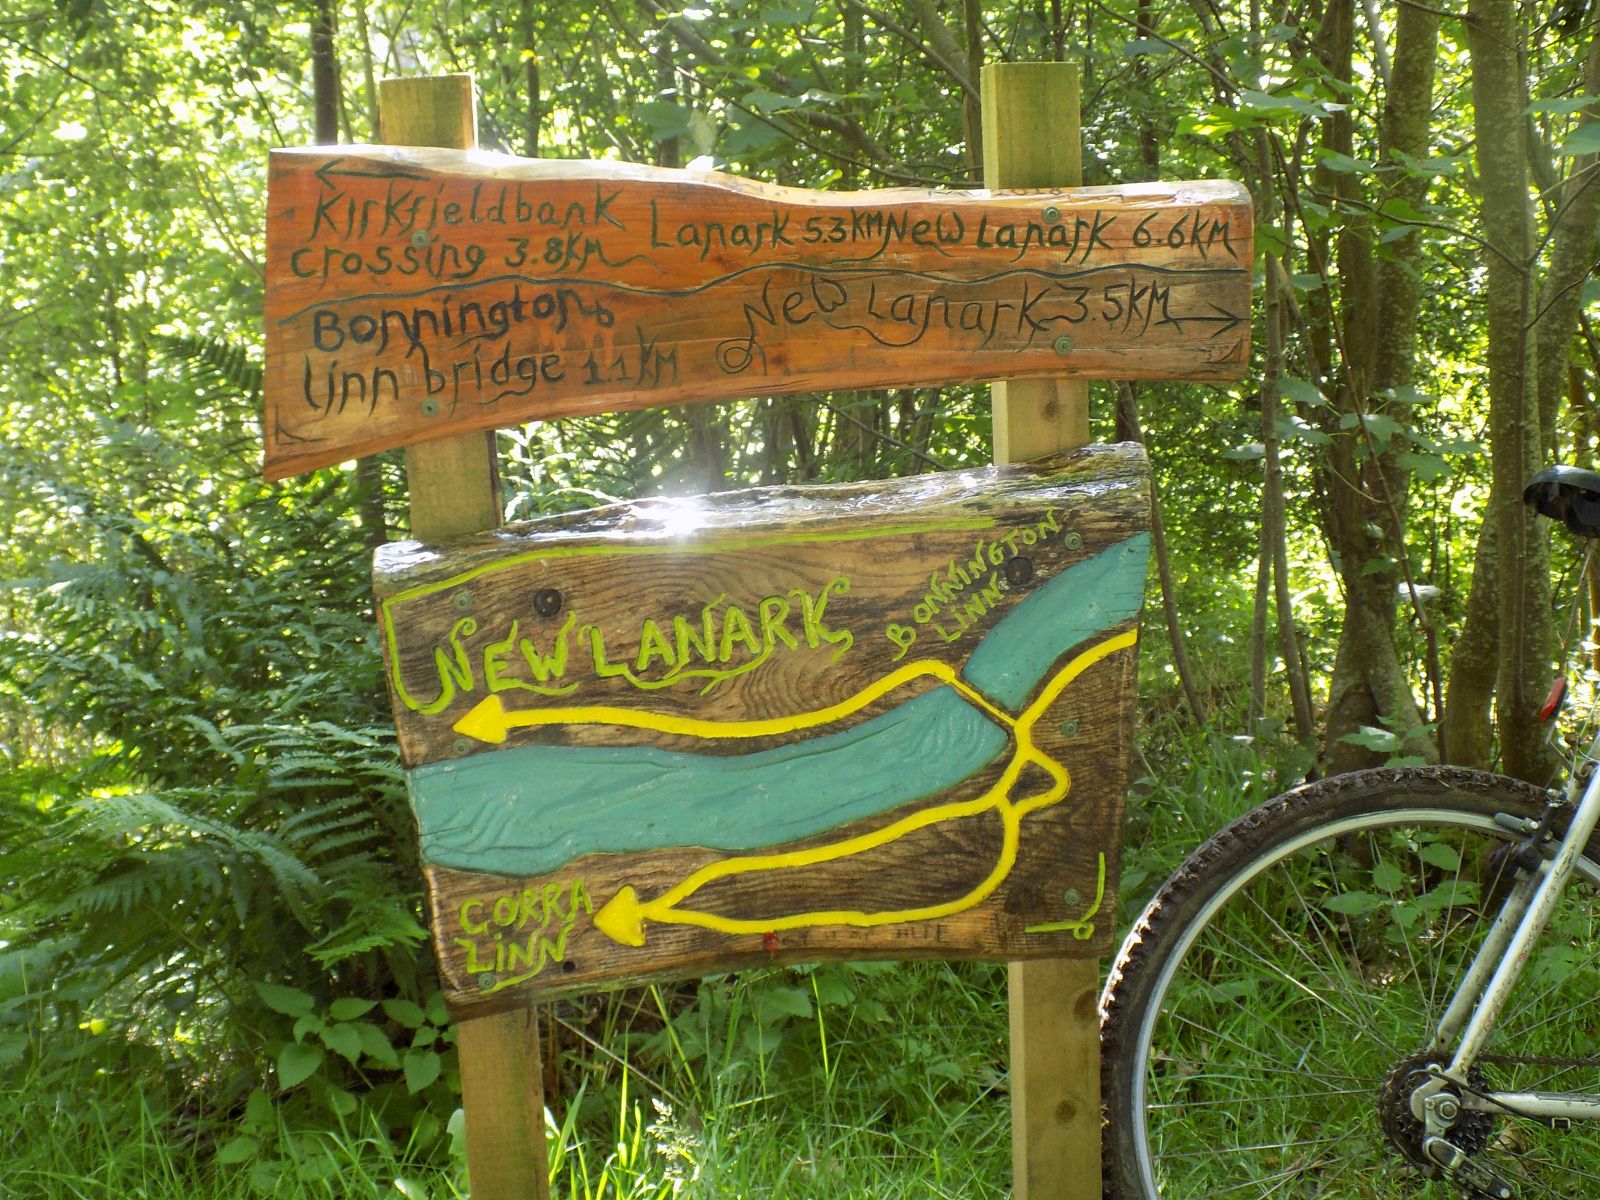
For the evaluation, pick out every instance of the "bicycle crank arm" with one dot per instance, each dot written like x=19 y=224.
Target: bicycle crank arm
x=1473 y=1178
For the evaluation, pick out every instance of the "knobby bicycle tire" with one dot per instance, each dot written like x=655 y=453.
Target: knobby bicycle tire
x=1258 y=1021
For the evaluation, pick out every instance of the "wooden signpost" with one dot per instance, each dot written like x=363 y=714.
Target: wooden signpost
x=676 y=736
x=417 y=293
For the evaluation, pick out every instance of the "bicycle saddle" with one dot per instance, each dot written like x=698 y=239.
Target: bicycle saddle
x=1570 y=495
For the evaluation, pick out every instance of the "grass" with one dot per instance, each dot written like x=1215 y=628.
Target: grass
x=837 y=1081
x=832 y=1082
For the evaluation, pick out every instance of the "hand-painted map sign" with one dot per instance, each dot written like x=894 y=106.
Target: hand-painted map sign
x=415 y=293
x=677 y=736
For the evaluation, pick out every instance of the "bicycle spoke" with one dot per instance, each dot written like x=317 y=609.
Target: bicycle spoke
x=1322 y=936
x=1331 y=975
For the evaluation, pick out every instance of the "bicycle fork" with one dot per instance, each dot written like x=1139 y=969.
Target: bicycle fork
x=1543 y=871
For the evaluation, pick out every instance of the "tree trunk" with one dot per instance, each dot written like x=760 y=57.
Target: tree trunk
x=529 y=22
x=1572 y=244
x=1466 y=733
x=367 y=484
x=1376 y=336
x=325 y=72
x=1522 y=583
x=1128 y=429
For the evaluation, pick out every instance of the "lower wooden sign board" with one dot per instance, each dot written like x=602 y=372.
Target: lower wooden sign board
x=684 y=735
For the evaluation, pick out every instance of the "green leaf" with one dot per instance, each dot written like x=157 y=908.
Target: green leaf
x=763 y=1039
x=663 y=118
x=340 y=1102
x=344 y=1040
x=238 y=1150
x=1453 y=893
x=1344 y=164
x=1353 y=904
x=257 y=1110
x=764 y=101
x=375 y=1043
x=836 y=991
x=422 y=1067
x=1438 y=854
x=1268 y=105
x=291 y=1002
x=1426 y=467
x=775 y=1004
x=1570 y=104
x=348 y=1008
x=702 y=132
x=404 y=1012
x=1584 y=140
x=1387 y=876
x=1302 y=391
x=1370 y=737
x=437 y=1012
x=310 y=1023
x=1295 y=428
x=298 y=1062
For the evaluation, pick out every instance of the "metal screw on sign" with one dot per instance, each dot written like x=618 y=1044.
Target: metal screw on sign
x=1073 y=541
x=1063 y=344
x=487 y=980
x=430 y=408
x=462 y=601
x=421 y=237
x=461 y=745
x=1018 y=570
x=1051 y=213
x=1069 y=727
x=547 y=602
x=1071 y=897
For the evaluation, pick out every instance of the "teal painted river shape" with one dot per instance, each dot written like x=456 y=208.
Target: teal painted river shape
x=531 y=810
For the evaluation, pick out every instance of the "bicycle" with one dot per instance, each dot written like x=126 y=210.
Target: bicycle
x=1375 y=986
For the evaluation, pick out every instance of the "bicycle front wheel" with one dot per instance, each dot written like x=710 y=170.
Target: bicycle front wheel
x=1264 y=1017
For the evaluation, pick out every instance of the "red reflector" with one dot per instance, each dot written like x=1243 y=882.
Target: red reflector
x=1552 y=702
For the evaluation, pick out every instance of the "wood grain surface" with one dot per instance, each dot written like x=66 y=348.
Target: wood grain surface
x=419 y=293
x=869 y=720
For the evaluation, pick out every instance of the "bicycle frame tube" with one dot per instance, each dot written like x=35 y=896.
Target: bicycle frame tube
x=1552 y=877
x=1546 y=1106
x=1484 y=962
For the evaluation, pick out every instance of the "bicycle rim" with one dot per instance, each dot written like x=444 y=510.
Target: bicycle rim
x=1296 y=972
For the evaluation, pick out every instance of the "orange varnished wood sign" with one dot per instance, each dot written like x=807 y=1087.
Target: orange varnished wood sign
x=420 y=293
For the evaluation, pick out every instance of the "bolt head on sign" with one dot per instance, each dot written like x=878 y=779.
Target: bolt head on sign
x=420 y=293
x=677 y=736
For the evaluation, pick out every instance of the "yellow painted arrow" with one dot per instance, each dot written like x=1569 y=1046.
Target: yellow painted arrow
x=622 y=917
x=490 y=721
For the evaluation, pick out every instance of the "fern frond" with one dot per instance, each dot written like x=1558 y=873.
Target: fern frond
x=213 y=361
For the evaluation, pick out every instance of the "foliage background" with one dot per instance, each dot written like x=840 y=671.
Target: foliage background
x=209 y=937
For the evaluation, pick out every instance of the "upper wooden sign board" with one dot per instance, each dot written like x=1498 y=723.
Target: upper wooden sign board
x=677 y=736
x=417 y=293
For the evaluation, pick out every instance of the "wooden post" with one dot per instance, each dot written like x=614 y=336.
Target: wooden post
x=1031 y=139
x=454 y=490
